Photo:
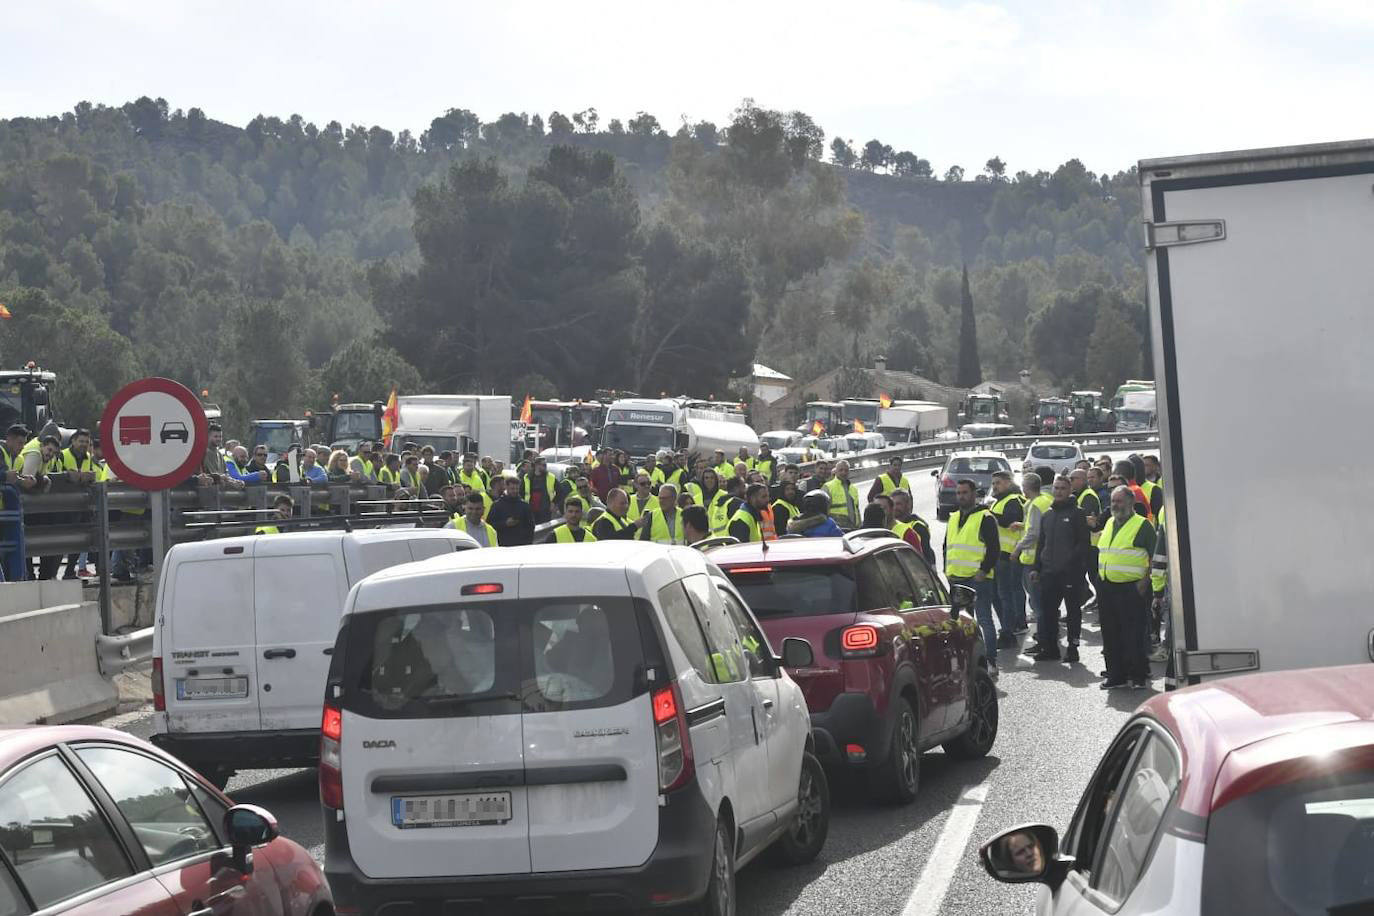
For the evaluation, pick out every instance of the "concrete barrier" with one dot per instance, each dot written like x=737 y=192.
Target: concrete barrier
x=48 y=668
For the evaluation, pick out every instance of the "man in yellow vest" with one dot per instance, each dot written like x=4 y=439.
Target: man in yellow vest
x=766 y=465
x=1037 y=502
x=1010 y=598
x=844 y=497
x=615 y=523
x=753 y=520
x=888 y=481
x=471 y=475
x=470 y=520
x=1061 y=555
x=79 y=467
x=971 y=552
x=642 y=499
x=724 y=469
x=283 y=506
x=572 y=530
x=1123 y=558
x=1150 y=485
x=664 y=525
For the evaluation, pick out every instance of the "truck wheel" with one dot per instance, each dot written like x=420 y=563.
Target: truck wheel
x=804 y=838
x=720 y=890
x=978 y=738
x=898 y=778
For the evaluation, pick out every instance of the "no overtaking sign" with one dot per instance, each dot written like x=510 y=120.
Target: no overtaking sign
x=154 y=433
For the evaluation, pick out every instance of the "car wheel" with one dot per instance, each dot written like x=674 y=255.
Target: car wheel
x=898 y=778
x=720 y=890
x=804 y=838
x=978 y=738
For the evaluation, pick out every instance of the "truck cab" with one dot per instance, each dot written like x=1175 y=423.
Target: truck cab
x=346 y=425
x=26 y=397
x=280 y=437
x=1090 y=413
x=1052 y=417
x=830 y=416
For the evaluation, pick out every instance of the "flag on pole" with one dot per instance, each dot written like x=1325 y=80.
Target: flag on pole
x=884 y=400
x=527 y=411
x=4 y=312
x=817 y=428
x=859 y=426
x=391 y=416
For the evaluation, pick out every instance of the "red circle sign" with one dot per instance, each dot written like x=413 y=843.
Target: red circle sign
x=154 y=433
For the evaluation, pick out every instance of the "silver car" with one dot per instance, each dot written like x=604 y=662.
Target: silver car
x=1059 y=455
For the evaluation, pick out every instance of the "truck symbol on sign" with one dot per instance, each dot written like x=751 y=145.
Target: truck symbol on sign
x=136 y=429
x=174 y=429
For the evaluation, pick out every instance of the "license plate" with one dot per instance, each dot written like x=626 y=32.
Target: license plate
x=212 y=688
x=473 y=809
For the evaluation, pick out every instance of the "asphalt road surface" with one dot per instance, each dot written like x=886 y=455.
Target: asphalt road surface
x=917 y=860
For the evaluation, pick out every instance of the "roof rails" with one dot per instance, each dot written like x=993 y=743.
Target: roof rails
x=852 y=539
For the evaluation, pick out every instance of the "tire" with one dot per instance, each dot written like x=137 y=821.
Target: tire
x=720 y=889
x=981 y=733
x=898 y=778
x=803 y=840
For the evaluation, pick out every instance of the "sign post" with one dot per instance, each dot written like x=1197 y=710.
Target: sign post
x=155 y=434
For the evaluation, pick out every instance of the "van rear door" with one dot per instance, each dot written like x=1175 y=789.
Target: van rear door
x=590 y=756
x=208 y=643
x=432 y=750
x=298 y=595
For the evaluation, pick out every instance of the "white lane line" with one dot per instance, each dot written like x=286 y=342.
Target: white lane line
x=946 y=855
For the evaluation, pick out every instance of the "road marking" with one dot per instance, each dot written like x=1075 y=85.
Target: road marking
x=946 y=855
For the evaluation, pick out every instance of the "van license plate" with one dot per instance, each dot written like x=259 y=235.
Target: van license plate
x=468 y=810
x=212 y=688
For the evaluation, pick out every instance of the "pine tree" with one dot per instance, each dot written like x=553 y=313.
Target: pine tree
x=970 y=373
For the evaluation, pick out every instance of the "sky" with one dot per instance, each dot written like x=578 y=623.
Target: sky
x=1036 y=83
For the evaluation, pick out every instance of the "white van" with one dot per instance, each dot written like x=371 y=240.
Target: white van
x=243 y=633
x=601 y=724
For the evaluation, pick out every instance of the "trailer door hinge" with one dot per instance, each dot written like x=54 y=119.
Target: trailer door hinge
x=1184 y=232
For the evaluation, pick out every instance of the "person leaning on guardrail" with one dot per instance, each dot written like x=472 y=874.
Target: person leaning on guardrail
x=311 y=472
x=284 y=507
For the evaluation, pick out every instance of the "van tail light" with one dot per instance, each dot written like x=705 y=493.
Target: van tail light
x=675 y=764
x=860 y=641
x=331 y=761
x=947 y=481
x=159 y=693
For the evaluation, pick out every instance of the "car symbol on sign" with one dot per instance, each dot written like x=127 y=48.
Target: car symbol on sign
x=174 y=429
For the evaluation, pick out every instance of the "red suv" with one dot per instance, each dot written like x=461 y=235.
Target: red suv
x=897 y=669
x=94 y=821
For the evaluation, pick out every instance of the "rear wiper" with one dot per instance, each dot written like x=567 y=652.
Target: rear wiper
x=456 y=701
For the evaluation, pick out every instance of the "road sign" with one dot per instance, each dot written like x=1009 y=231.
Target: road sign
x=154 y=433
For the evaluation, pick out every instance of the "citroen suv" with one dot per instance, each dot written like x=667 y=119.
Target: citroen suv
x=899 y=666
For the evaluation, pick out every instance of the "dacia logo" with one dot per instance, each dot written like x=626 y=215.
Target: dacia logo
x=368 y=745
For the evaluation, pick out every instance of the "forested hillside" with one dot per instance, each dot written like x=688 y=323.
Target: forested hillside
x=281 y=262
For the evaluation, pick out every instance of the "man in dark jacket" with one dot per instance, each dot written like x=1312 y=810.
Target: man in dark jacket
x=1061 y=559
x=510 y=515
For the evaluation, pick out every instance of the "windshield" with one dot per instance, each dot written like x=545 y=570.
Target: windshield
x=976 y=465
x=1082 y=402
x=1054 y=452
x=1134 y=417
x=11 y=406
x=1052 y=410
x=487 y=658
x=278 y=439
x=1301 y=848
x=438 y=443
x=982 y=408
x=803 y=591
x=637 y=440
x=776 y=441
x=819 y=412
x=357 y=425
x=864 y=413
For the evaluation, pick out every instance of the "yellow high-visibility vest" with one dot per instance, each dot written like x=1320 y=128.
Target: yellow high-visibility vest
x=1043 y=501
x=1118 y=559
x=1006 y=536
x=964 y=549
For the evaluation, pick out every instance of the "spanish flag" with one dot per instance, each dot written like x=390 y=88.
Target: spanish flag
x=527 y=411
x=817 y=428
x=391 y=416
x=884 y=400
x=859 y=426
x=4 y=312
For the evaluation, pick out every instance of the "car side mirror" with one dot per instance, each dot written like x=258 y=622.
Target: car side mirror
x=1025 y=854
x=962 y=598
x=797 y=653
x=247 y=827
x=935 y=473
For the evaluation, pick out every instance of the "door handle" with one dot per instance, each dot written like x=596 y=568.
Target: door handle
x=767 y=704
x=329 y=651
x=279 y=653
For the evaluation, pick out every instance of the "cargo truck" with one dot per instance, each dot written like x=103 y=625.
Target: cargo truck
x=1260 y=280
x=912 y=421
x=644 y=426
x=454 y=422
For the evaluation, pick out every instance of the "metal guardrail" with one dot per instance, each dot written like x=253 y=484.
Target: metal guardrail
x=116 y=653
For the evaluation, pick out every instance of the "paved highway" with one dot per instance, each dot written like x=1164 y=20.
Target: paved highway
x=918 y=860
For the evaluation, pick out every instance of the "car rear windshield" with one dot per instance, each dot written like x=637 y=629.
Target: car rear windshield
x=799 y=591
x=1305 y=847
x=976 y=465
x=1053 y=452
x=496 y=657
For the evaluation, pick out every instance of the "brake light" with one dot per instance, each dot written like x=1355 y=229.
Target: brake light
x=947 y=481
x=859 y=640
x=485 y=588
x=741 y=570
x=159 y=693
x=331 y=759
x=673 y=742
